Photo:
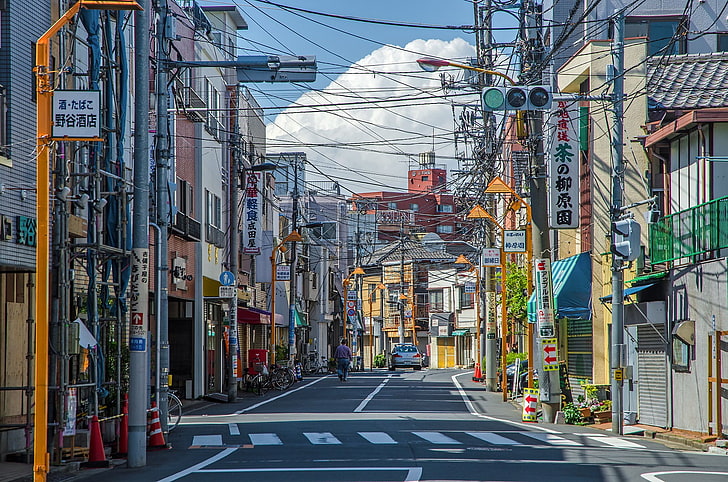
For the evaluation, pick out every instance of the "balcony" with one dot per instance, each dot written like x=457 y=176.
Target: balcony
x=193 y=107
x=691 y=233
x=186 y=227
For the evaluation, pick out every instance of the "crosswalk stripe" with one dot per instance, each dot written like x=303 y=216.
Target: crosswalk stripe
x=437 y=438
x=493 y=438
x=234 y=430
x=377 y=437
x=616 y=442
x=208 y=440
x=264 y=439
x=322 y=438
x=551 y=439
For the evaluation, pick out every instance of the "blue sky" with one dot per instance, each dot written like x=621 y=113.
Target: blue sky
x=372 y=109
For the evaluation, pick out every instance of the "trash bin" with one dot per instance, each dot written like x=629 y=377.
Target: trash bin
x=257 y=359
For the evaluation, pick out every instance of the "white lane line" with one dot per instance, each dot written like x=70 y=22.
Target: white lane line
x=208 y=440
x=234 y=430
x=493 y=438
x=284 y=394
x=264 y=439
x=413 y=473
x=552 y=439
x=474 y=412
x=372 y=395
x=655 y=476
x=616 y=442
x=377 y=437
x=322 y=438
x=437 y=438
x=197 y=467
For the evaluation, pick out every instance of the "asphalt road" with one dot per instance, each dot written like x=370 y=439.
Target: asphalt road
x=401 y=426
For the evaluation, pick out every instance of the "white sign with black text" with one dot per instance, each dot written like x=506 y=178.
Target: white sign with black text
x=76 y=114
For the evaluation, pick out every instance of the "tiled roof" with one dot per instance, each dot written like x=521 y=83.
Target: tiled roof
x=408 y=250
x=688 y=81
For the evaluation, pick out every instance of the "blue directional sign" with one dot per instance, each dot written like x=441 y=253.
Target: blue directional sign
x=227 y=278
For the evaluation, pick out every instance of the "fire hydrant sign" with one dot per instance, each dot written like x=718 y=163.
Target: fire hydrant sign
x=76 y=114
x=550 y=356
x=530 y=399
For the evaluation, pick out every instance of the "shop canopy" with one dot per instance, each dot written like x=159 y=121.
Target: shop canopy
x=253 y=316
x=571 y=281
x=627 y=292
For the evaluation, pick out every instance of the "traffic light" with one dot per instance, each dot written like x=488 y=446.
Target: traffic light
x=517 y=97
x=626 y=239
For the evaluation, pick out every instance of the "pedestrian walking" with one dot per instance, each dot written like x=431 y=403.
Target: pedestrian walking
x=343 y=357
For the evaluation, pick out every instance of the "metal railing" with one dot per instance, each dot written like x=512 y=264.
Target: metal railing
x=691 y=232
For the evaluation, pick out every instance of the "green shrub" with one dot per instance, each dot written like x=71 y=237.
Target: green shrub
x=511 y=357
x=572 y=414
x=380 y=360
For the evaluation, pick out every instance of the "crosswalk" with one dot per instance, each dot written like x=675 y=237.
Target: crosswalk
x=449 y=438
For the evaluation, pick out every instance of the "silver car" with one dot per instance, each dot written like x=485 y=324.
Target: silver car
x=405 y=355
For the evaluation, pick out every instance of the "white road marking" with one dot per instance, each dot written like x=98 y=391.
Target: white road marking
x=413 y=473
x=377 y=437
x=234 y=430
x=493 y=438
x=284 y=394
x=372 y=395
x=264 y=439
x=322 y=438
x=471 y=407
x=552 y=439
x=437 y=438
x=654 y=476
x=197 y=467
x=208 y=440
x=615 y=442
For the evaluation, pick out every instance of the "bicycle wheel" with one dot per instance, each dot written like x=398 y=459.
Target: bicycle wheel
x=282 y=378
x=174 y=411
x=258 y=384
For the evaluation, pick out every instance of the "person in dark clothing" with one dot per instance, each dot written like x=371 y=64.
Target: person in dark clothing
x=343 y=357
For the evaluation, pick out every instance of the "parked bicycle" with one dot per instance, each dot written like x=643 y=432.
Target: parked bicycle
x=174 y=410
x=313 y=364
x=278 y=377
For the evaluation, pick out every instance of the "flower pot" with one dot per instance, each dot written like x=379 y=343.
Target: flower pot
x=603 y=417
x=585 y=412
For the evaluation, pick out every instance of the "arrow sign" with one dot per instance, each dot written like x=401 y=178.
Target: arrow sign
x=529 y=409
x=550 y=360
x=549 y=354
x=549 y=348
x=530 y=398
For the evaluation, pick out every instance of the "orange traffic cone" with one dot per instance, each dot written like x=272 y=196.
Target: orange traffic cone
x=123 y=444
x=156 y=437
x=96 y=455
x=478 y=375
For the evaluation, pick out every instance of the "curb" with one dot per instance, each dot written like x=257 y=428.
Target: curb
x=694 y=444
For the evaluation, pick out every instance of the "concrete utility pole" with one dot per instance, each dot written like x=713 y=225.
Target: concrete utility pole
x=162 y=155
x=617 y=353
x=235 y=159
x=294 y=278
x=138 y=360
x=549 y=386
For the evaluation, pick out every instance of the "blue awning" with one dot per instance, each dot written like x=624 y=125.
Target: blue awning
x=571 y=280
x=627 y=292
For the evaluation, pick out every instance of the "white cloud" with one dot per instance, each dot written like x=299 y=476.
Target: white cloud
x=409 y=128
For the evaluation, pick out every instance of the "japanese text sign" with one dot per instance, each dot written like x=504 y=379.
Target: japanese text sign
x=564 y=160
x=76 y=114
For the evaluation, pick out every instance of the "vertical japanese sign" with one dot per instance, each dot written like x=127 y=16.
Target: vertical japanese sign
x=76 y=114
x=139 y=299
x=251 y=217
x=544 y=298
x=563 y=152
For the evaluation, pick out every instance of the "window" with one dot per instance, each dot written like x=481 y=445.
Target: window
x=680 y=355
x=664 y=35
x=467 y=300
x=444 y=208
x=437 y=301
x=392 y=205
x=373 y=292
x=722 y=44
x=444 y=228
x=325 y=231
x=425 y=178
x=213 y=208
x=414 y=207
x=185 y=198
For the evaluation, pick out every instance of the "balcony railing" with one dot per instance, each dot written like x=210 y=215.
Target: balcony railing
x=692 y=232
x=186 y=226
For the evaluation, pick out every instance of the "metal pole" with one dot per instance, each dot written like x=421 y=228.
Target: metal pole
x=504 y=326
x=294 y=277
x=272 y=353
x=163 y=200
x=138 y=361
x=234 y=225
x=617 y=351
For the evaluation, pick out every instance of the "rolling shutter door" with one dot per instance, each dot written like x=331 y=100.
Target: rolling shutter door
x=652 y=375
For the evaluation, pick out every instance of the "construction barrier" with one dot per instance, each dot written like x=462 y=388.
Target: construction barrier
x=96 y=454
x=156 y=437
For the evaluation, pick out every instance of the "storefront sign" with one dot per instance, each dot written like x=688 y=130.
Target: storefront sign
x=514 y=241
x=563 y=153
x=544 y=298
x=491 y=257
x=252 y=230
x=76 y=114
x=283 y=272
x=139 y=299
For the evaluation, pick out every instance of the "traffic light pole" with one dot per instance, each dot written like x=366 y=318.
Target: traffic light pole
x=617 y=349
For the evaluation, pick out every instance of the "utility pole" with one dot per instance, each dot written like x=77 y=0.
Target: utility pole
x=233 y=179
x=163 y=201
x=294 y=277
x=617 y=352
x=138 y=361
x=400 y=300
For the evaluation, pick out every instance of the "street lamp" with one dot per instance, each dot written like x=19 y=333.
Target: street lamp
x=431 y=65
x=292 y=237
x=463 y=260
x=380 y=287
x=498 y=186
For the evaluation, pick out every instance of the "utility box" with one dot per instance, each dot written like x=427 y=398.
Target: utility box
x=257 y=359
